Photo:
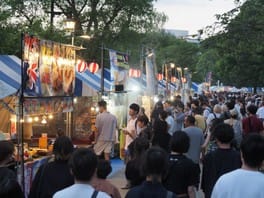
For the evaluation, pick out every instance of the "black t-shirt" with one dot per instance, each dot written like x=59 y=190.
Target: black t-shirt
x=162 y=139
x=133 y=173
x=217 y=163
x=148 y=190
x=51 y=178
x=160 y=126
x=9 y=186
x=182 y=172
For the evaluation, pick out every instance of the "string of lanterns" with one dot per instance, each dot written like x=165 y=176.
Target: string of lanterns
x=173 y=78
x=134 y=73
x=82 y=66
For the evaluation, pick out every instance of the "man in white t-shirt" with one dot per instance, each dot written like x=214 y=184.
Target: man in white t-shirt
x=131 y=131
x=83 y=165
x=247 y=181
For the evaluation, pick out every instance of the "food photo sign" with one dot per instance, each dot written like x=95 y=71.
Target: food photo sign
x=48 y=68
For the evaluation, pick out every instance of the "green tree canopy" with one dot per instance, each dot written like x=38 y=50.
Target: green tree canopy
x=239 y=47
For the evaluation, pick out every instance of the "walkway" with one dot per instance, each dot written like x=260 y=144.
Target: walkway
x=117 y=177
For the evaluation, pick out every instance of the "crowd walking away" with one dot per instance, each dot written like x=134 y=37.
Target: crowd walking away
x=211 y=147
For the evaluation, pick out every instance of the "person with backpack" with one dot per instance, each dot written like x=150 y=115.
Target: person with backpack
x=183 y=173
x=154 y=167
x=224 y=159
x=212 y=120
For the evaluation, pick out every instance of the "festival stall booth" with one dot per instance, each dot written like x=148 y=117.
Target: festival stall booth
x=44 y=102
x=40 y=114
x=86 y=95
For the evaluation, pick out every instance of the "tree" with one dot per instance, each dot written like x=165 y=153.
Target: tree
x=108 y=21
x=240 y=46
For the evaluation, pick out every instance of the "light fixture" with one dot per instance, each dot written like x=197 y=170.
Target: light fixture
x=172 y=65
x=30 y=120
x=44 y=121
x=86 y=36
x=150 y=54
x=50 y=116
x=75 y=100
x=36 y=119
x=92 y=109
x=69 y=24
x=156 y=99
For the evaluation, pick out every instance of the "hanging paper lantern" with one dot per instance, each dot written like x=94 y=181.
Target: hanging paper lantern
x=93 y=67
x=159 y=77
x=130 y=72
x=134 y=73
x=173 y=79
x=137 y=74
x=81 y=66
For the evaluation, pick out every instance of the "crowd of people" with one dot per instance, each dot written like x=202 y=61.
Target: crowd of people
x=205 y=139
x=214 y=143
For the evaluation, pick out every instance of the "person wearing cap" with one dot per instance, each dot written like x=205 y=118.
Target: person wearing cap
x=106 y=125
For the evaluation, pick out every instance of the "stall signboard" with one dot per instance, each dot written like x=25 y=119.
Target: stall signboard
x=119 y=67
x=47 y=106
x=48 y=68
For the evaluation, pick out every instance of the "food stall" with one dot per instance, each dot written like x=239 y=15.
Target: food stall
x=45 y=102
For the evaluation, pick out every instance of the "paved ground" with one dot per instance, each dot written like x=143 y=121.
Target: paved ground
x=117 y=177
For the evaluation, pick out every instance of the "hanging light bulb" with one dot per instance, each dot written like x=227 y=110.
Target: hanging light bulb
x=75 y=100
x=30 y=120
x=44 y=121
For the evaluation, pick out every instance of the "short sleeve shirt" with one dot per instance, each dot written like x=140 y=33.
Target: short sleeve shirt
x=106 y=124
x=131 y=125
x=183 y=172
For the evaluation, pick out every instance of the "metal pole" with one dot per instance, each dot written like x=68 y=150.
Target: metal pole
x=51 y=15
x=167 y=84
x=20 y=120
x=72 y=39
x=102 y=70
x=141 y=66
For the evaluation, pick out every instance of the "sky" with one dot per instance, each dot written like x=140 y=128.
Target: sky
x=192 y=15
